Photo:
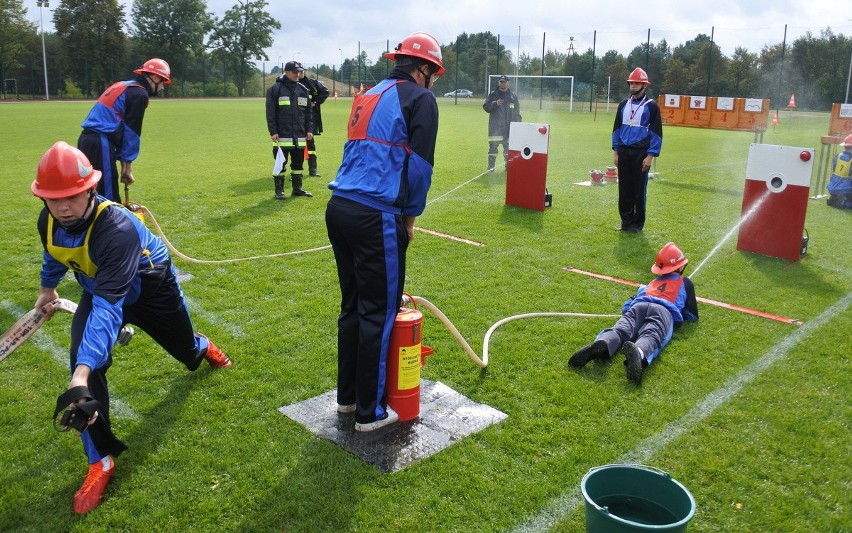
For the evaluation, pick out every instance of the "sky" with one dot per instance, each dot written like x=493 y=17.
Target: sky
x=328 y=31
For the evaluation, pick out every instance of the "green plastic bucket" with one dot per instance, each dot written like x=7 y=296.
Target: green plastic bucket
x=624 y=498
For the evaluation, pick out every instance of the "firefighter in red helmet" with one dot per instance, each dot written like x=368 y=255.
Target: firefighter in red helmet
x=126 y=276
x=637 y=138
x=379 y=189
x=648 y=318
x=112 y=130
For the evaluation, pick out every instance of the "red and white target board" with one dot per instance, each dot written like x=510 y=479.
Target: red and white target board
x=775 y=200
x=526 y=170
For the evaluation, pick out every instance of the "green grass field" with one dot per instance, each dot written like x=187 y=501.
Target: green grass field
x=752 y=415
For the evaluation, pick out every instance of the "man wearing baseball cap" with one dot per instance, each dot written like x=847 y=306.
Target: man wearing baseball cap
x=290 y=123
x=504 y=108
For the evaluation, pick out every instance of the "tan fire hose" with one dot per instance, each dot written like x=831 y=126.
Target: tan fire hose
x=27 y=325
x=483 y=362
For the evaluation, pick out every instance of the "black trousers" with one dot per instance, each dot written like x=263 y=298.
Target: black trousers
x=369 y=249
x=632 y=187
x=296 y=157
x=101 y=154
x=160 y=312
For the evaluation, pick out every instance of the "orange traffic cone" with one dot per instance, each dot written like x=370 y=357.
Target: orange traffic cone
x=775 y=119
x=792 y=101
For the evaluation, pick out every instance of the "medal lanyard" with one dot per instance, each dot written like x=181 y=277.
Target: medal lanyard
x=638 y=107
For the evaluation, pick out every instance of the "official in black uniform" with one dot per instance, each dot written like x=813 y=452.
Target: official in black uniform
x=503 y=108
x=319 y=94
x=290 y=123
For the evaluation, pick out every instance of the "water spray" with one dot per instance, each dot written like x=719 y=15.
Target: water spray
x=754 y=208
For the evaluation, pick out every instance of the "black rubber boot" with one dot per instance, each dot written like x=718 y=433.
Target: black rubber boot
x=297 y=186
x=312 y=166
x=635 y=362
x=595 y=350
x=279 y=187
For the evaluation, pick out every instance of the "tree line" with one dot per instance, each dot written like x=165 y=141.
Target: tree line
x=96 y=43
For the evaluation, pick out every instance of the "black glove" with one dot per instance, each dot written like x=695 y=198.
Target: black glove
x=78 y=415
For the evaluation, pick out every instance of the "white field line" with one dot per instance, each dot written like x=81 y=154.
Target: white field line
x=60 y=354
x=564 y=504
x=195 y=309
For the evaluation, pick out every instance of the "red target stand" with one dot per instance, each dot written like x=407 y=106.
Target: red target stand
x=775 y=201
x=526 y=170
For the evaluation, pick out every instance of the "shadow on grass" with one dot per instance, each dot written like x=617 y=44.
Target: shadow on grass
x=518 y=216
x=262 y=209
x=323 y=470
x=141 y=442
x=157 y=423
x=595 y=370
x=253 y=185
x=797 y=276
x=697 y=188
x=634 y=250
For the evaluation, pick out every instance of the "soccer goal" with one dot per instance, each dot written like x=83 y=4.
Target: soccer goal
x=552 y=89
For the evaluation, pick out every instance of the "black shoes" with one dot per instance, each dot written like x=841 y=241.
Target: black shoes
x=595 y=350
x=314 y=174
x=634 y=362
x=298 y=191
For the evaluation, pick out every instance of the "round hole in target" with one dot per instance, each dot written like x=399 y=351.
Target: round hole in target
x=776 y=183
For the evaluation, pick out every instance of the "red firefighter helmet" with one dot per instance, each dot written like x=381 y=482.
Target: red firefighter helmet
x=156 y=66
x=639 y=76
x=847 y=141
x=669 y=259
x=64 y=171
x=420 y=45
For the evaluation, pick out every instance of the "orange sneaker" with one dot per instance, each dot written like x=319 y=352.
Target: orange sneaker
x=216 y=357
x=91 y=493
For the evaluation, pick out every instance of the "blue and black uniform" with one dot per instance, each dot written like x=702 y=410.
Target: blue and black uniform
x=127 y=277
x=636 y=133
x=840 y=184
x=651 y=315
x=385 y=175
x=112 y=131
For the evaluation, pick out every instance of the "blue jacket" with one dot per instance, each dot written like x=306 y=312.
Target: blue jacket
x=117 y=248
x=390 y=168
x=681 y=302
x=638 y=125
x=841 y=174
x=118 y=114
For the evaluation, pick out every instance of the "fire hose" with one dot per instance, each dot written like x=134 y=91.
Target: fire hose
x=27 y=325
x=483 y=362
x=144 y=210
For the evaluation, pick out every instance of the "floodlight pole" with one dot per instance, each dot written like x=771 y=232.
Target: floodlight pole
x=41 y=4
x=848 y=79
